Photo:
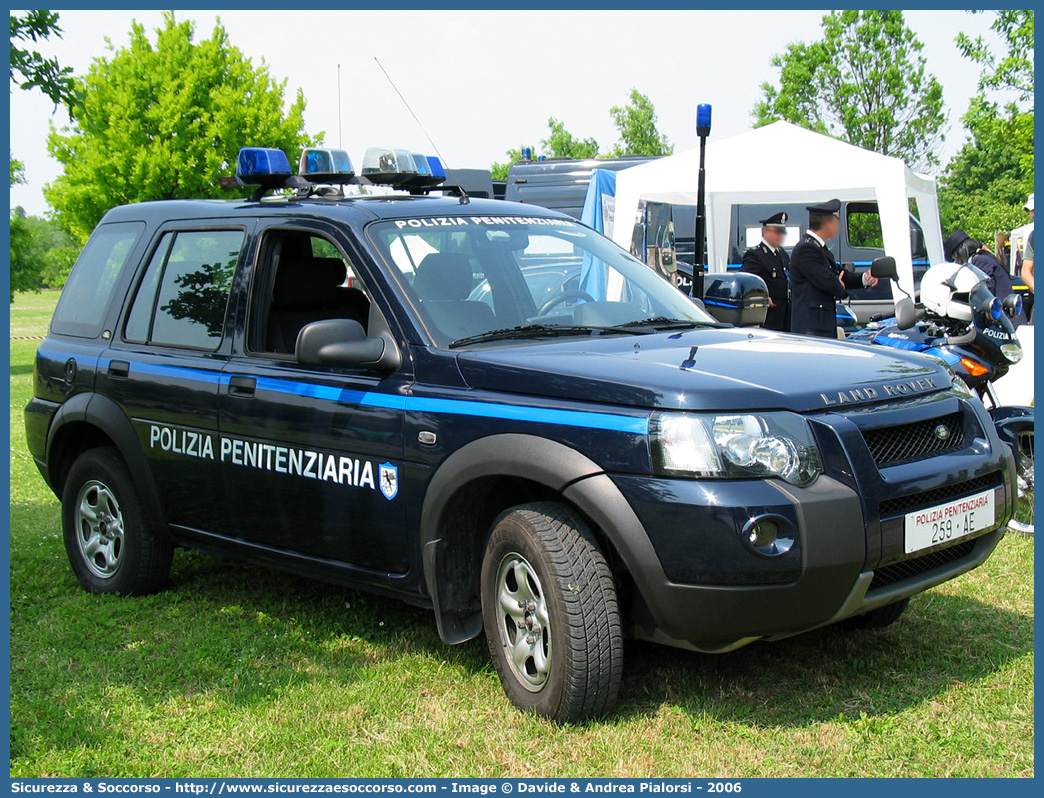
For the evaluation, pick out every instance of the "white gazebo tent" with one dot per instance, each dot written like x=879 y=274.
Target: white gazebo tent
x=782 y=163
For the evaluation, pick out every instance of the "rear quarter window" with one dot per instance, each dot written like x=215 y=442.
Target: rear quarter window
x=88 y=292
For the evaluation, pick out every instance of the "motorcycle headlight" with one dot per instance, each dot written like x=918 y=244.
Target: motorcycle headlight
x=1012 y=352
x=736 y=446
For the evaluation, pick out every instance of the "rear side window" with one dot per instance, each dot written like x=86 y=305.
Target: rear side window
x=88 y=292
x=183 y=294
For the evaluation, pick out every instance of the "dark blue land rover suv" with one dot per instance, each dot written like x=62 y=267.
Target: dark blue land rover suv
x=307 y=382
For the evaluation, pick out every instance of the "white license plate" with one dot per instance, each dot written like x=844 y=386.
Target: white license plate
x=945 y=522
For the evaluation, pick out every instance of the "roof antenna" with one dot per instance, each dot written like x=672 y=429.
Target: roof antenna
x=464 y=199
x=340 y=139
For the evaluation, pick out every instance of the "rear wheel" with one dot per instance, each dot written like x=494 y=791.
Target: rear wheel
x=550 y=612
x=879 y=618
x=108 y=537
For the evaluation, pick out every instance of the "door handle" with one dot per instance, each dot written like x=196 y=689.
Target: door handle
x=119 y=368
x=242 y=386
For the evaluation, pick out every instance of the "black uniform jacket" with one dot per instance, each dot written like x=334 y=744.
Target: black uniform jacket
x=772 y=268
x=816 y=288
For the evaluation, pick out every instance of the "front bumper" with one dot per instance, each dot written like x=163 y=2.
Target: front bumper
x=704 y=588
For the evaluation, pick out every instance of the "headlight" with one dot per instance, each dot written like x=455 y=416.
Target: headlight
x=736 y=445
x=1012 y=351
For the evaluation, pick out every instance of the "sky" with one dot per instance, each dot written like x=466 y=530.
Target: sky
x=482 y=82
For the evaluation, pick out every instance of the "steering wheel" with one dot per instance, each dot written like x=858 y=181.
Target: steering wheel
x=565 y=296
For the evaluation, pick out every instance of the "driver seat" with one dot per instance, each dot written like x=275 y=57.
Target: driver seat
x=443 y=283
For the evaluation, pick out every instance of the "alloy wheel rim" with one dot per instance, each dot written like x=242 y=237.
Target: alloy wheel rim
x=524 y=625
x=99 y=529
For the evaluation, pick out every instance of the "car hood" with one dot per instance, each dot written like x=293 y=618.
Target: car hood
x=705 y=369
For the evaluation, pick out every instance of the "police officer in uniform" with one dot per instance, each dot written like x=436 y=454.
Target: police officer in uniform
x=770 y=262
x=817 y=279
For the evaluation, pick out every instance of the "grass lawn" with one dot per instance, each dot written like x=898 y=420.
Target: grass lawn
x=237 y=671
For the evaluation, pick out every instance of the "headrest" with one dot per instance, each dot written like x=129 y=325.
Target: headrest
x=443 y=276
x=308 y=283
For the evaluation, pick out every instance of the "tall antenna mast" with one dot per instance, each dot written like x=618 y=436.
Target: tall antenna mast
x=340 y=140
x=415 y=119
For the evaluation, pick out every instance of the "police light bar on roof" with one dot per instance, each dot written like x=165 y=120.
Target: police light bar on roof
x=326 y=166
x=402 y=169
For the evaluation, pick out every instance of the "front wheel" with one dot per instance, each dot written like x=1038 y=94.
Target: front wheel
x=108 y=537
x=550 y=612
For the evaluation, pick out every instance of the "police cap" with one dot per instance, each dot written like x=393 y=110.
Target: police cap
x=954 y=240
x=775 y=220
x=829 y=208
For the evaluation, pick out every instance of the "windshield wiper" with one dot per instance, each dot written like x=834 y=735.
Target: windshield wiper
x=537 y=331
x=666 y=323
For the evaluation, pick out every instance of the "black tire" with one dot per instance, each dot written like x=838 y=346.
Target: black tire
x=580 y=644
x=116 y=551
x=879 y=618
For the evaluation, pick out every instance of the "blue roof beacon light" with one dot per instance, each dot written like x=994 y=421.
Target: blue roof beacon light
x=527 y=154
x=265 y=168
x=320 y=165
x=261 y=166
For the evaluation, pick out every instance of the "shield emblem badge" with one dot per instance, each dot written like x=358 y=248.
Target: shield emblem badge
x=388 y=477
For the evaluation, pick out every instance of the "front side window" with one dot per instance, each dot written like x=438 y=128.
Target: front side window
x=301 y=278
x=88 y=291
x=470 y=275
x=183 y=296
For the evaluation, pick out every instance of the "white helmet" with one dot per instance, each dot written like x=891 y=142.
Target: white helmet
x=945 y=289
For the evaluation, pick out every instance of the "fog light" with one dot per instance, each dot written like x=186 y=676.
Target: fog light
x=762 y=534
x=768 y=535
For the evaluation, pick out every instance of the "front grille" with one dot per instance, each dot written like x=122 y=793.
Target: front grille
x=916 y=566
x=929 y=498
x=893 y=445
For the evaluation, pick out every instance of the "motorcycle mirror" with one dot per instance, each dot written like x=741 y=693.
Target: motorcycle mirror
x=884 y=269
x=1013 y=305
x=907 y=314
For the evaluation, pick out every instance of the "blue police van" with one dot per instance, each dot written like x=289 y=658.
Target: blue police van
x=307 y=381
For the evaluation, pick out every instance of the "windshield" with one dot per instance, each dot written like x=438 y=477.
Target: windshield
x=470 y=275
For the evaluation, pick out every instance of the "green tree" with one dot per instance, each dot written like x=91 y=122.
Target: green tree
x=41 y=253
x=985 y=184
x=1014 y=71
x=864 y=82
x=17 y=172
x=636 y=124
x=30 y=69
x=560 y=143
x=164 y=121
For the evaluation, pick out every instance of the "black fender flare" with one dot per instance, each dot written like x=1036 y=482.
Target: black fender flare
x=576 y=477
x=108 y=417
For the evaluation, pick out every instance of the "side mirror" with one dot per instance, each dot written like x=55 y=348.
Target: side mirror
x=884 y=269
x=738 y=298
x=343 y=342
x=907 y=314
